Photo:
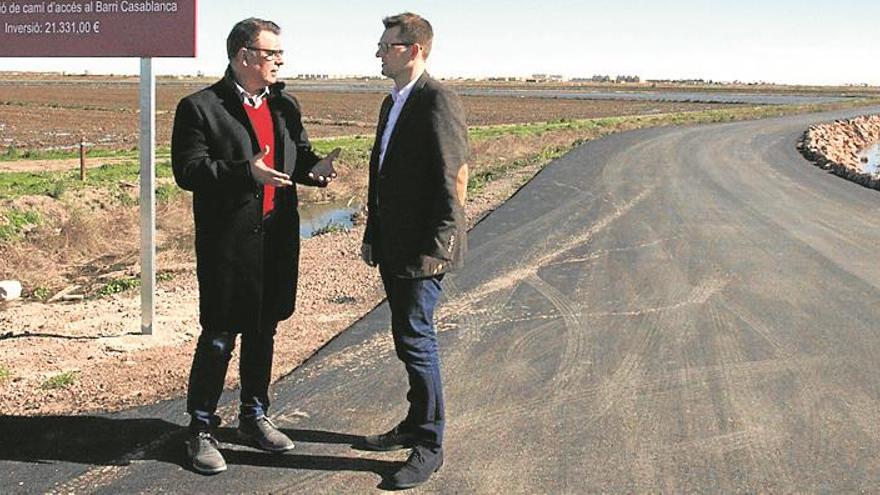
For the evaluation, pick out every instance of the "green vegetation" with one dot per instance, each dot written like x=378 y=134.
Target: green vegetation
x=119 y=285
x=54 y=184
x=41 y=293
x=13 y=154
x=167 y=192
x=15 y=222
x=355 y=149
x=329 y=229
x=4 y=373
x=62 y=380
x=482 y=177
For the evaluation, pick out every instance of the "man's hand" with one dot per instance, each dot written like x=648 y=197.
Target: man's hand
x=367 y=254
x=265 y=175
x=323 y=170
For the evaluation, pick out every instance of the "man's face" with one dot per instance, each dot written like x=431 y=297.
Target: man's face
x=262 y=60
x=395 y=57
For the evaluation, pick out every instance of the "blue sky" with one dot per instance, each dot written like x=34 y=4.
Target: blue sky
x=808 y=41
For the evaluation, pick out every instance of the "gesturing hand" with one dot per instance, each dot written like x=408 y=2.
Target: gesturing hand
x=266 y=175
x=323 y=171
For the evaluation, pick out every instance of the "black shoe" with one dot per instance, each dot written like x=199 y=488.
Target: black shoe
x=263 y=432
x=201 y=448
x=393 y=440
x=422 y=463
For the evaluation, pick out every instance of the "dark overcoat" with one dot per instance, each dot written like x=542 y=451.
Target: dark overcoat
x=247 y=265
x=415 y=223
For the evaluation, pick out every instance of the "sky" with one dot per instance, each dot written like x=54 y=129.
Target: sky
x=782 y=41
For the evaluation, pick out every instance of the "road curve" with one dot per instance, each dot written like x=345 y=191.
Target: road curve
x=683 y=309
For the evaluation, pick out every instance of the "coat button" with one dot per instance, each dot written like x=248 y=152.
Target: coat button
x=257 y=229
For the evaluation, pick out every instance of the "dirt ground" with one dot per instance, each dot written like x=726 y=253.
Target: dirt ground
x=110 y=366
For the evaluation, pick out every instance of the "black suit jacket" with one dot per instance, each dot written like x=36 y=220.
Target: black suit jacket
x=416 y=224
x=247 y=267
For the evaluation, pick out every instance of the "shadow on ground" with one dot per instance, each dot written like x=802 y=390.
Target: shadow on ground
x=100 y=441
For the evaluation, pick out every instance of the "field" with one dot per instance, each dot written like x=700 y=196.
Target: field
x=46 y=115
x=74 y=244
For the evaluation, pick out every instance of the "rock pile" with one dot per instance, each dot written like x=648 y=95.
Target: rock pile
x=835 y=146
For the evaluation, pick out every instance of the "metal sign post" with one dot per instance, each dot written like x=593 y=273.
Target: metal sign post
x=147 y=151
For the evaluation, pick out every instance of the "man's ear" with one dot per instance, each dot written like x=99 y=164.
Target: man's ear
x=414 y=50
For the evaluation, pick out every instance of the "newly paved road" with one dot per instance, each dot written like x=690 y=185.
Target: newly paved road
x=670 y=310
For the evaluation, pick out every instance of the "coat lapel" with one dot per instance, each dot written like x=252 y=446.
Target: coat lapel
x=405 y=112
x=384 y=111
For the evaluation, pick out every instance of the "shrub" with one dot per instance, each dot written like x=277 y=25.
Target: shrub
x=16 y=222
x=62 y=380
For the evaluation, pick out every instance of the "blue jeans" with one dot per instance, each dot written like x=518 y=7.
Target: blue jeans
x=412 y=303
x=208 y=375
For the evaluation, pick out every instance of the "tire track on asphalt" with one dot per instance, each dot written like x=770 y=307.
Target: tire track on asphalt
x=514 y=277
x=575 y=334
x=749 y=412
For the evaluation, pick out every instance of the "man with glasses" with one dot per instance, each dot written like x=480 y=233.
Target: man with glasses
x=239 y=146
x=415 y=230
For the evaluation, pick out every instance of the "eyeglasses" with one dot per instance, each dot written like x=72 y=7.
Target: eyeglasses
x=384 y=47
x=269 y=54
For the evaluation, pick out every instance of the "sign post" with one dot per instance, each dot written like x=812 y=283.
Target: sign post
x=112 y=28
x=147 y=151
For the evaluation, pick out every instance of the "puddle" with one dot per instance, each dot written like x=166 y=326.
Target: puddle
x=873 y=156
x=315 y=217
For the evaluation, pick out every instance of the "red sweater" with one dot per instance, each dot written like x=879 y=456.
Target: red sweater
x=261 y=120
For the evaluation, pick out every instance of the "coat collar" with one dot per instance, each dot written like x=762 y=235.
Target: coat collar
x=228 y=82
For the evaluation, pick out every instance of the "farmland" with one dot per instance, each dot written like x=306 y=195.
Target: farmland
x=53 y=114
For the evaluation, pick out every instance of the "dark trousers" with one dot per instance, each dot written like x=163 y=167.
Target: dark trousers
x=208 y=374
x=412 y=304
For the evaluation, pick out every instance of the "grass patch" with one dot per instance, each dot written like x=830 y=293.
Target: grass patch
x=41 y=293
x=478 y=181
x=119 y=285
x=167 y=192
x=4 y=373
x=62 y=380
x=355 y=149
x=55 y=184
x=11 y=154
x=16 y=222
x=329 y=229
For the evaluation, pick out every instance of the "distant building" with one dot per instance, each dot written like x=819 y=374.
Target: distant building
x=627 y=79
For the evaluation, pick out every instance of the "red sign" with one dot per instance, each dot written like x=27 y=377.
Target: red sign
x=96 y=28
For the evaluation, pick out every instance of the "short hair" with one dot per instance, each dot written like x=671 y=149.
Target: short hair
x=413 y=29
x=246 y=32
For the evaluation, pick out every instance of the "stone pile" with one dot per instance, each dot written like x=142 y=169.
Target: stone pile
x=835 y=147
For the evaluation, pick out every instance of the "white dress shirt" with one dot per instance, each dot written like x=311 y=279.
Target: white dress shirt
x=252 y=100
x=399 y=97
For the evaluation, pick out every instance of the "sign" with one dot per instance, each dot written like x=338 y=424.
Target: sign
x=96 y=28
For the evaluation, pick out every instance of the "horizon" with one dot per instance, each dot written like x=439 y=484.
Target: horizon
x=811 y=42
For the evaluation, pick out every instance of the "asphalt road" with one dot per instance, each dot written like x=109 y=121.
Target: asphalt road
x=687 y=309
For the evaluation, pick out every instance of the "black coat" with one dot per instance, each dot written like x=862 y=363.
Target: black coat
x=416 y=224
x=247 y=266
